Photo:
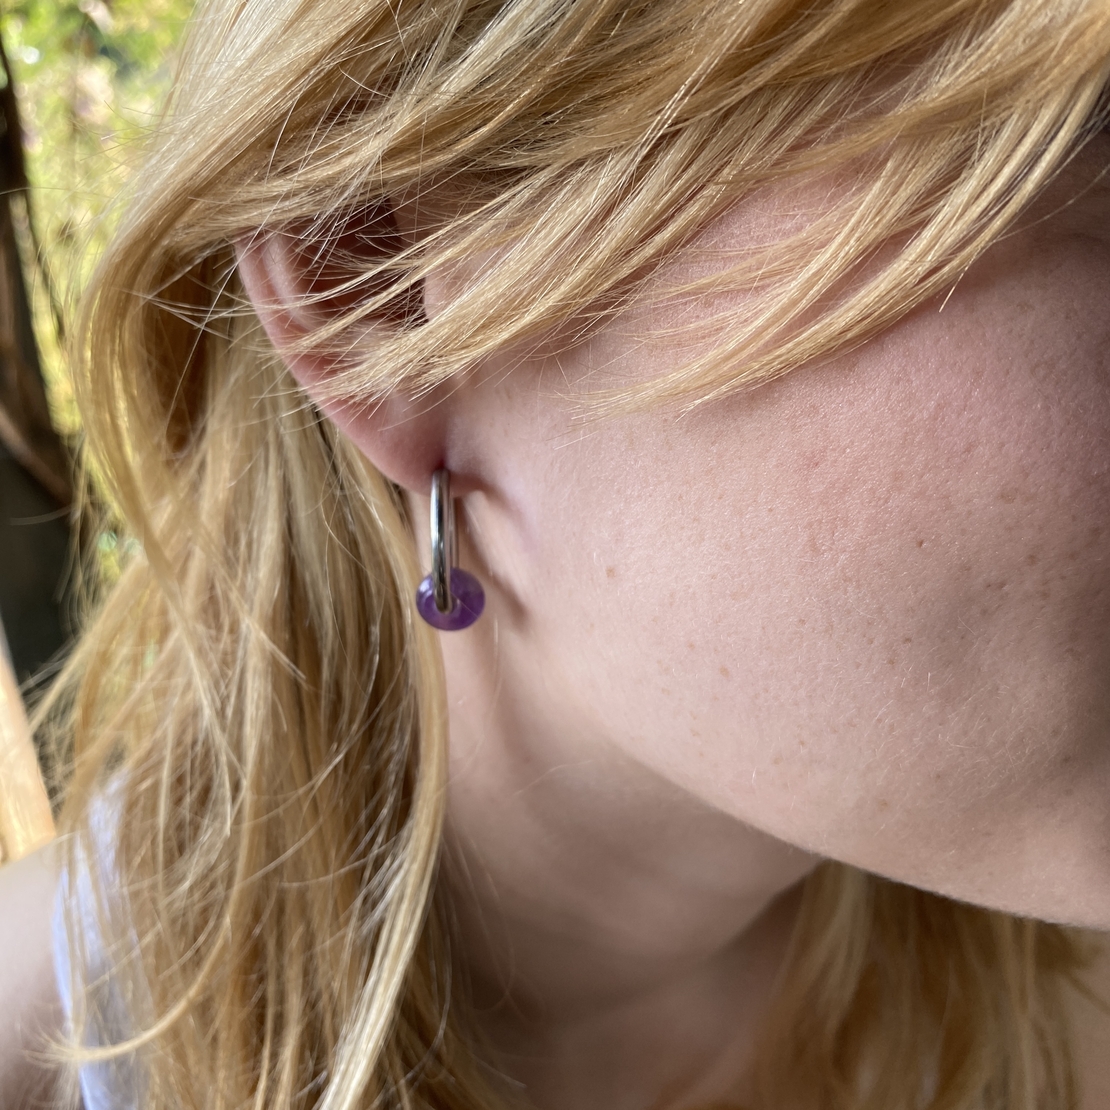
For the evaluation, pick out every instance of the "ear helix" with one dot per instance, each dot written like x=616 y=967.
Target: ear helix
x=449 y=598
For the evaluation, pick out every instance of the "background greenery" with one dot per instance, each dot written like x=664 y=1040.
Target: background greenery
x=89 y=75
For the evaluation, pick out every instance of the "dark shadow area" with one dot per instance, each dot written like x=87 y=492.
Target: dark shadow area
x=34 y=554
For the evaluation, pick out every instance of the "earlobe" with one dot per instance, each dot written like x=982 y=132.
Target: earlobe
x=294 y=289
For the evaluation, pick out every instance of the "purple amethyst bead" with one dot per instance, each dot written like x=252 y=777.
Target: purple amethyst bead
x=468 y=595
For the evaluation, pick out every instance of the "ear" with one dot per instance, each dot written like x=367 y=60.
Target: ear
x=296 y=287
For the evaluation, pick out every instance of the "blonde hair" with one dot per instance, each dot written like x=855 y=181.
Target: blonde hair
x=255 y=684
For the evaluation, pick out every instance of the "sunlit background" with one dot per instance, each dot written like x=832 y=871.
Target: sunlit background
x=89 y=78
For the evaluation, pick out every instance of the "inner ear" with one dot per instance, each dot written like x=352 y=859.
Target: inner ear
x=344 y=262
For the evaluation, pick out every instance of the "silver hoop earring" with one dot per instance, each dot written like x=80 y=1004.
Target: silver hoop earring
x=449 y=598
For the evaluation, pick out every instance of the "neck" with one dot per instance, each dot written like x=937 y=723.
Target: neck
x=621 y=937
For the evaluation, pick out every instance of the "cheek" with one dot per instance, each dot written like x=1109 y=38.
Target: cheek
x=865 y=609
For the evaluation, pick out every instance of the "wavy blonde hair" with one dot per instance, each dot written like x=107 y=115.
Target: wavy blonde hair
x=255 y=684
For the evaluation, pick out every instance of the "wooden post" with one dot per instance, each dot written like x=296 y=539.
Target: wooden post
x=26 y=822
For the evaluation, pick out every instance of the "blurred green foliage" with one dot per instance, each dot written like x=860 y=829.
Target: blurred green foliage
x=90 y=75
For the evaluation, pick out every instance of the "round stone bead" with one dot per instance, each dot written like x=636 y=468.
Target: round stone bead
x=467 y=594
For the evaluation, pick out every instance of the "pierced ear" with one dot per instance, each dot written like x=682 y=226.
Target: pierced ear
x=299 y=283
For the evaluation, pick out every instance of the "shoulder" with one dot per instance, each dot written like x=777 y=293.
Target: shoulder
x=30 y=1011
x=1090 y=1023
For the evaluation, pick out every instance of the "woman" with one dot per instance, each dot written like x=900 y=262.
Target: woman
x=763 y=345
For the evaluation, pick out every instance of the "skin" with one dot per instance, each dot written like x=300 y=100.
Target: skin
x=858 y=613
x=862 y=612
x=895 y=664
x=29 y=1007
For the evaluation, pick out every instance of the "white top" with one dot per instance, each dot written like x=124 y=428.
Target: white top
x=113 y=1084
